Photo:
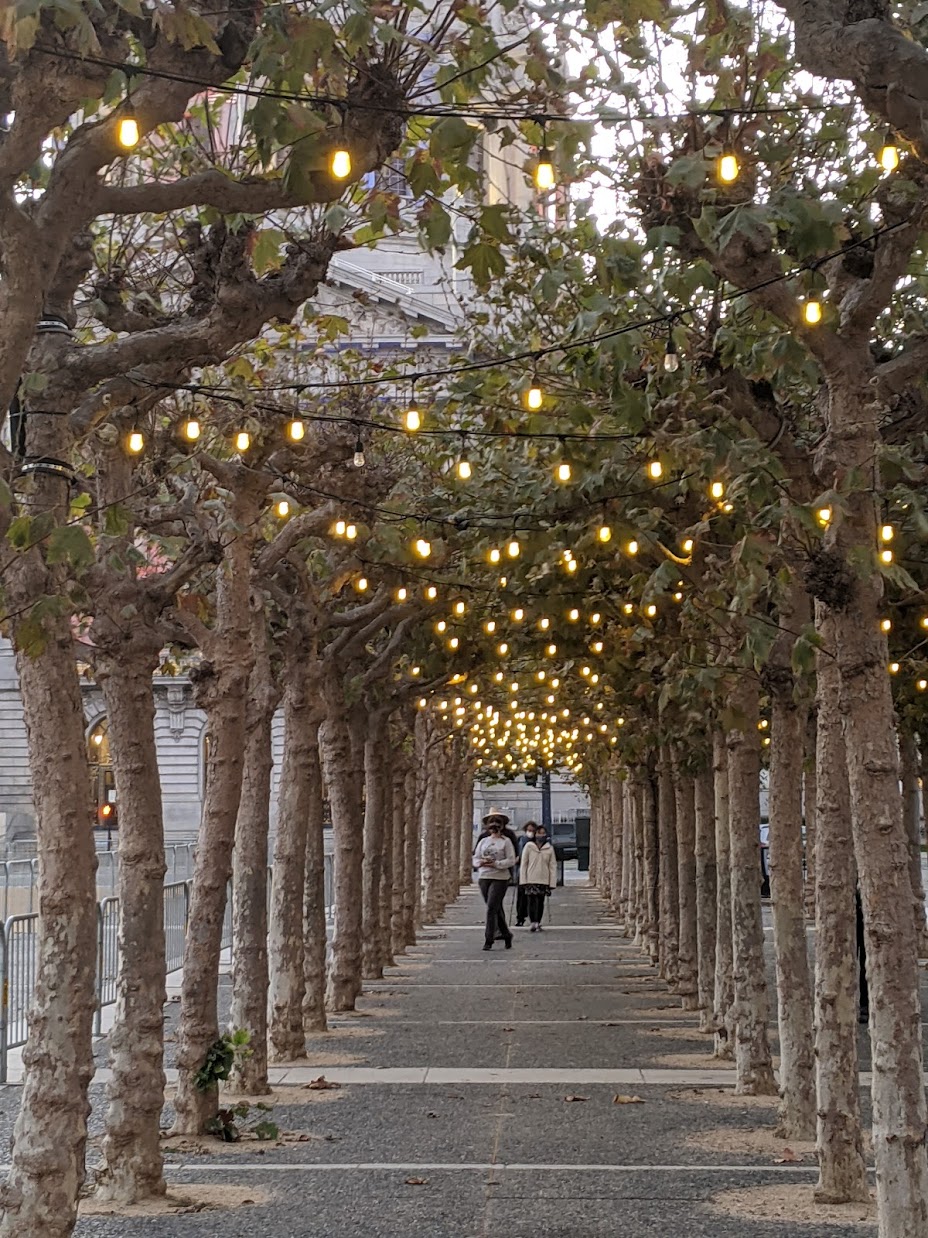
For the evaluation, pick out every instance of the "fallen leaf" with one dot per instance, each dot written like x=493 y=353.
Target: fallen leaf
x=417 y=1181
x=509 y=1029
x=571 y=1098
x=321 y=1085
x=621 y=1099
x=789 y=1157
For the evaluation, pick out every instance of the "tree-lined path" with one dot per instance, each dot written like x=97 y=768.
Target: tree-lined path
x=454 y=1117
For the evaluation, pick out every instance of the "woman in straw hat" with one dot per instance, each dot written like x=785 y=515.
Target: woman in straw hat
x=494 y=858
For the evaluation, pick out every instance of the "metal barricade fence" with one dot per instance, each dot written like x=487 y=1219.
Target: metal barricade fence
x=20 y=948
x=107 y=957
x=176 y=908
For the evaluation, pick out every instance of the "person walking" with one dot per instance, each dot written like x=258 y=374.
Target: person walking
x=494 y=859
x=538 y=874
x=521 y=896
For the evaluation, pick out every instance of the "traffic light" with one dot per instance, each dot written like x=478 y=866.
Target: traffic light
x=531 y=780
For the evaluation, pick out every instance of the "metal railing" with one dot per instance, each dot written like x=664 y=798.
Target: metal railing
x=19 y=939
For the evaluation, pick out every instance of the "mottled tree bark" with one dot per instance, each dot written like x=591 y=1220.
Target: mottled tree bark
x=134 y=1163
x=411 y=860
x=809 y=802
x=628 y=843
x=221 y=683
x=249 y=869
x=343 y=776
x=686 y=869
x=912 y=812
x=40 y=1196
x=794 y=990
x=706 y=896
x=617 y=806
x=753 y=1063
x=651 y=865
x=292 y=954
x=842 y=1171
x=398 y=892
x=724 y=990
x=314 y=916
x=669 y=873
x=374 y=775
x=386 y=867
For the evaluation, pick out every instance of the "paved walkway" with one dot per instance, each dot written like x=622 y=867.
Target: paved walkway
x=477 y=1099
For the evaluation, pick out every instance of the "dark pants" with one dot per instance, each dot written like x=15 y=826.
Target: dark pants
x=521 y=905
x=494 y=895
x=536 y=908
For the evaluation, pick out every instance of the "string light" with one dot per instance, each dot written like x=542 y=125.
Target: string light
x=135 y=442
x=127 y=130
x=889 y=152
x=605 y=533
x=544 y=165
x=463 y=469
x=886 y=556
x=632 y=547
x=296 y=430
x=358 y=459
x=493 y=555
x=688 y=544
x=191 y=430
x=339 y=528
x=412 y=419
x=728 y=168
x=533 y=397
x=812 y=311
x=573 y=615
x=242 y=440
x=716 y=490
x=340 y=163
x=282 y=508
x=563 y=472
x=655 y=470
x=823 y=516
x=351 y=531
x=361 y=584
x=422 y=547
x=513 y=548
x=671 y=356
x=887 y=533
x=401 y=595
x=886 y=625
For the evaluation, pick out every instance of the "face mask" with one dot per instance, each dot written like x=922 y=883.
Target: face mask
x=540 y=840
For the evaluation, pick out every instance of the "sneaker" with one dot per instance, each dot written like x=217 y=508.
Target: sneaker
x=539 y=927
x=534 y=928
x=488 y=945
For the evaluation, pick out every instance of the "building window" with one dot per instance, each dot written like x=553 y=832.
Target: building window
x=102 y=778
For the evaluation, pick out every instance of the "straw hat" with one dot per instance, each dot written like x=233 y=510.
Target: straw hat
x=496 y=812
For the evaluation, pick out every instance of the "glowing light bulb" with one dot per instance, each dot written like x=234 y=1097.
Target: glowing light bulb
x=518 y=615
x=351 y=531
x=423 y=547
x=460 y=608
x=655 y=470
x=544 y=171
x=282 y=508
x=551 y=650
x=401 y=596
x=431 y=593
x=135 y=442
x=490 y=626
x=632 y=547
x=440 y=626
x=127 y=131
x=889 y=153
x=812 y=311
x=413 y=420
x=361 y=584
x=887 y=533
x=464 y=470
x=573 y=615
x=671 y=357
x=886 y=556
x=728 y=167
x=502 y=648
x=242 y=440
x=533 y=398
x=563 y=473
x=823 y=516
x=716 y=490
x=921 y=684
x=894 y=668
x=513 y=549
x=493 y=555
x=191 y=430
x=296 y=430
x=595 y=617
x=886 y=625
x=605 y=533
x=650 y=611
x=340 y=164
x=453 y=643
x=688 y=546
x=339 y=528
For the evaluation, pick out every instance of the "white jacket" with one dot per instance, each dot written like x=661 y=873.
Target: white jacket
x=501 y=854
x=539 y=866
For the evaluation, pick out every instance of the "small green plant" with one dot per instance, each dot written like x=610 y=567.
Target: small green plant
x=225 y=1125
x=220 y=1059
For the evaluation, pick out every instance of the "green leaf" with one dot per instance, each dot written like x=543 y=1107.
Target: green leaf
x=484 y=261
x=266 y=253
x=435 y=223
x=19 y=534
x=69 y=543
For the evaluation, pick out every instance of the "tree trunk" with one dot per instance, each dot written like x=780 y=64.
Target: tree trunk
x=686 y=869
x=753 y=1064
x=398 y=891
x=315 y=926
x=912 y=809
x=411 y=860
x=638 y=870
x=249 y=871
x=809 y=802
x=794 y=990
x=617 y=803
x=221 y=684
x=386 y=867
x=628 y=861
x=651 y=865
x=899 y=1112
x=374 y=774
x=669 y=873
x=842 y=1170
x=343 y=776
x=706 y=896
x=288 y=1003
x=724 y=990
x=40 y=1196
x=132 y=1146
